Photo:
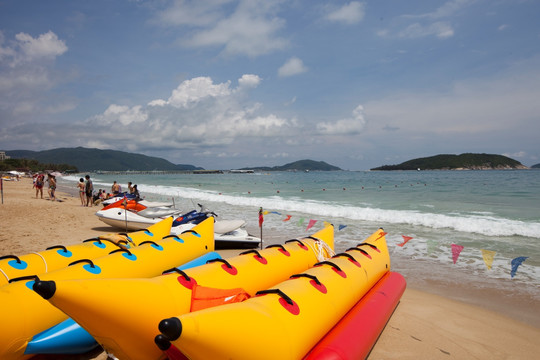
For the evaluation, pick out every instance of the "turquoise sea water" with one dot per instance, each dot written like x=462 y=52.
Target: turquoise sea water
x=479 y=210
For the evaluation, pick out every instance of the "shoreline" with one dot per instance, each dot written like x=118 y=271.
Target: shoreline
x=424 y=325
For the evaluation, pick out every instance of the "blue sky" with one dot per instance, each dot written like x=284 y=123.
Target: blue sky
x=226 y=84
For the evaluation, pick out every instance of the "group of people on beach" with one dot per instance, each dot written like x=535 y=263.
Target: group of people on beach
x=86 y=191
x=39 y=183
x=89 y=198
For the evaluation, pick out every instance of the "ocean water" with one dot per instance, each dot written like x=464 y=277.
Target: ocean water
x=498 y=211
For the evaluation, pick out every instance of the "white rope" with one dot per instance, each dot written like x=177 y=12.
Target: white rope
x=321 y=250
x=42 y=258
x=3 y=273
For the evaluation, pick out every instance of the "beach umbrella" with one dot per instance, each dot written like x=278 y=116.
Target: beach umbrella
x=56 y=174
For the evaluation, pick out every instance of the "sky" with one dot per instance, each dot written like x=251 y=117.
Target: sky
x=225 y=84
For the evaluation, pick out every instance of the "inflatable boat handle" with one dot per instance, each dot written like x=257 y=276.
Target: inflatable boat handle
x=14 y=257
x=312 y=277
x=278 y=292
x=85 y=261
x=57 y=247
x=28 y=277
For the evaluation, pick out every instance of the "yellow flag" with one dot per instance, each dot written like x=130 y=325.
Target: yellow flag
x=488 y=257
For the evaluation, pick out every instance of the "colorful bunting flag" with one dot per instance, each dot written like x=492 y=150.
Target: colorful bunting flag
x=311 y=223
x=405 y=240
x=275 y=212
x=488 y=256
x=515 y=264
x=326 y=223
x=456 y=250
x=287 y=218
x=301 y=222
x=341 y=227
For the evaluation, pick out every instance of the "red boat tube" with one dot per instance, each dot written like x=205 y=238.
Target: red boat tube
x=356 y=333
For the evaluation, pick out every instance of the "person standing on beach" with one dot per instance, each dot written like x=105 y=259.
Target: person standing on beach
x=89 y=189
x=115 y=189
x=82 y=192
x=52 y=186
x=130 y=187
x=38 y=184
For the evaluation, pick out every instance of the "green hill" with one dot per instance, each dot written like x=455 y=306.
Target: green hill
x=300 y=165
x=95 y=159
x=466 y=161
x=537 y=166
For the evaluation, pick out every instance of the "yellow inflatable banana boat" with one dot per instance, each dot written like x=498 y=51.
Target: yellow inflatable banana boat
x=25 y=314
x=284 y=322
x=59 y=256
x=127 y=332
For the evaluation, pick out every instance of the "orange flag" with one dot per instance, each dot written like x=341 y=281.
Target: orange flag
x=405 y=239
x=287 y=218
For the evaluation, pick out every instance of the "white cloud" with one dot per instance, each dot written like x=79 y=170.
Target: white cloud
x=198 y=113
x=293 y=66
x=117 y=115
x=504 y=103
x=350 y=126
x=441 y=30
x=350 y=13
x=190 y=92
x=250 y=28
x=27 y=73
x=448 y=9
x=249 y=81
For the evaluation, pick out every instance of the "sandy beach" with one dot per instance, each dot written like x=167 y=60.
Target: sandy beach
x=424 y=326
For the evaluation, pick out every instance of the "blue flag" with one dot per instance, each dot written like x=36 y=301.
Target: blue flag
x=515 y=264
x=342 y=227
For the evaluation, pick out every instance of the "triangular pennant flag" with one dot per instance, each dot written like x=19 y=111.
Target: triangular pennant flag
x=301 y=222
x=488 y=256
x=326 y=223
x=341 y=227
x=275 y=212
x=431 y=245
x=287 y=218
x=515 y=264
x=456 y=250
x=405 y=240
x=311 y=223
x=266 y=212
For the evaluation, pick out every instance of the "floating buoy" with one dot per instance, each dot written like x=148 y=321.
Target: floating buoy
x=278 y=191
x=323 y=189
x=344 y=189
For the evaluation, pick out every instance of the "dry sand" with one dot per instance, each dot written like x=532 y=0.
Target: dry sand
x=424 y=326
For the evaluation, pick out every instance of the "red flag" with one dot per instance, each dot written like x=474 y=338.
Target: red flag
x=261 y=217
x=405 y=239
x=456 y=250
x=311 y=223
x=287 y=218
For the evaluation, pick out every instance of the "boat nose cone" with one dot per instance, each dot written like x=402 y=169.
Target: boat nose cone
x=45 y=288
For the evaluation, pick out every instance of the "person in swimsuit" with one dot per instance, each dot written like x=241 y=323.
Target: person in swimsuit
x=82 y=194
x=52 y=186
x=39 y=185
x=115 y=189
x=89 y=190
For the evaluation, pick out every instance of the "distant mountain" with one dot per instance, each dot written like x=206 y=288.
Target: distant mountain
x=95 y=159
x=301 y=165
x=466 y=161
x=537 y=166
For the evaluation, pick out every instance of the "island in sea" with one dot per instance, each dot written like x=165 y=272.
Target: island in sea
x=84 y=160
x=467 y=161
